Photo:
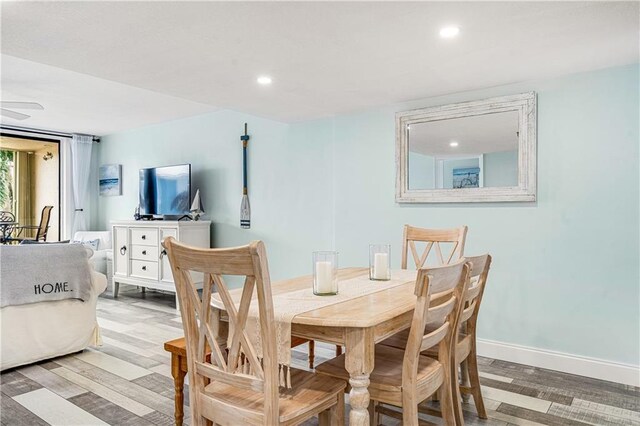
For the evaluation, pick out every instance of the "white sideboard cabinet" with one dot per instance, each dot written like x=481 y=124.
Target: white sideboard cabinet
x=138 y=256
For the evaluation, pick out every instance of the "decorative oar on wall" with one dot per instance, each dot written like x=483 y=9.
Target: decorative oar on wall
x=245 y=208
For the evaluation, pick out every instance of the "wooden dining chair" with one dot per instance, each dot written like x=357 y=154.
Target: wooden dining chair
x=404 y=377
x=466 y=348
x=222 y=389
x=450 y=239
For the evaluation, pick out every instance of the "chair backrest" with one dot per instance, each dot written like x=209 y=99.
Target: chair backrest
x=6 y=216
x=478 y=279
x=231 y=369
x=448 y=283
x=454 y=237
x=45 y=216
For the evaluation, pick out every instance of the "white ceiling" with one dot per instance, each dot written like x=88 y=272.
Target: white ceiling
x=325 y=57
x=480 y=134
x=81 y=103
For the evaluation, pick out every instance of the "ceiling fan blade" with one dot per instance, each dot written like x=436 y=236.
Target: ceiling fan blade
x=21 y=105
x=13 y=114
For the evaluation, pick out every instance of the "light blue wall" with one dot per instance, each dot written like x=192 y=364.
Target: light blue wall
x=421 y=171
x=289 y=180
x=501 y=168
x=565 y=275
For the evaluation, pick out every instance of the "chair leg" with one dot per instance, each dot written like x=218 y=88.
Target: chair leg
x=197 y=420
x=455 y=395
x=464 y=378
x=340 y=410
x=436 y=397
x=334 y=416
x=116 y=288
x=474 y=378
x=446 y=399
x=312 y=353
x=374 y=415
x=410 y=413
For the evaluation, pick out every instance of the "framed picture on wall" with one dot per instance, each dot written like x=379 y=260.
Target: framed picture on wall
x=110 y=178
x=468 y=177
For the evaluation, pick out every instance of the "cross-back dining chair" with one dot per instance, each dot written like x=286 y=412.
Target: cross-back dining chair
x=465 y=348
x=466 y=355
x=404 y=377
x=451 y=240
x=222 y=389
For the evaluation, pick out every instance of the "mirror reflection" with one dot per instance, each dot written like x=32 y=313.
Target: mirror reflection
x=468 y=152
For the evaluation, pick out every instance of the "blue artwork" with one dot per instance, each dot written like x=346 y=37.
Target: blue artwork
x=110 y=180
x=467 y=177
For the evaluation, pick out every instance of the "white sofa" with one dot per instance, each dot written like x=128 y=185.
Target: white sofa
x=42 y=330
x=99 y=258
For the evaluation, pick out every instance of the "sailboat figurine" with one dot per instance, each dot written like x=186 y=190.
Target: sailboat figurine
x=196 y=207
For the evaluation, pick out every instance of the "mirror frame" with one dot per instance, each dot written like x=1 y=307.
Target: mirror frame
x=524 y=103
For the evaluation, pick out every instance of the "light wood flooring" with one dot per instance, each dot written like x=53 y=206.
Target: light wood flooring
x=127 y=381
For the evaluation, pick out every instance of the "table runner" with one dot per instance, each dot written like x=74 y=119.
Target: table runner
x=287 y=305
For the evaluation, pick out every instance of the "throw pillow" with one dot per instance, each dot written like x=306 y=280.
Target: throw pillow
x=92 y=244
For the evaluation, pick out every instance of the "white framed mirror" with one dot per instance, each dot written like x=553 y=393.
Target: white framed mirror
x=480 y=151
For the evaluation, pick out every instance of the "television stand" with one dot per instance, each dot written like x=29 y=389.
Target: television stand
x=139 y=258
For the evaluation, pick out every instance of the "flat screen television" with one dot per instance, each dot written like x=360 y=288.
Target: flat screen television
x=165 y=191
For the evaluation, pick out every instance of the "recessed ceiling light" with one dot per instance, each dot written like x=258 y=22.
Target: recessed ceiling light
x=449 y=32
x=264 y=80
x=453 y=144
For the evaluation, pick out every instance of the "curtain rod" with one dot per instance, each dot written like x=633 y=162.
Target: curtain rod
x=43 y=132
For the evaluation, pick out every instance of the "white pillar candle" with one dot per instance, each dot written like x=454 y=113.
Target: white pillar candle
x=380 y=266
x=324 y=277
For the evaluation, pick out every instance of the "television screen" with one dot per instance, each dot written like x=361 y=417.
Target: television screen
x=165 y=191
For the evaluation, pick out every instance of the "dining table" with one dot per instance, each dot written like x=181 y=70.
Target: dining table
x=356 y=324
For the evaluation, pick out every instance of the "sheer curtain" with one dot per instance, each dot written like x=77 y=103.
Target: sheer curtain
x=81 y=146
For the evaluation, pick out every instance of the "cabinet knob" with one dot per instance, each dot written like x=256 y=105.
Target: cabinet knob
x=144 y=252
x=163 y=253
x=144 y=237
x=144 y=268
x=123 y=250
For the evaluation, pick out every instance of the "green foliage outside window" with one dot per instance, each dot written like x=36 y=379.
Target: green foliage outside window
x=6 y=186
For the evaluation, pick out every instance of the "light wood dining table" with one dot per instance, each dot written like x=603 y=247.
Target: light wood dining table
x=357 y=324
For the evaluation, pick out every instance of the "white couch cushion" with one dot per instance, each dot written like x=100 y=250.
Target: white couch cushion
x=103 y=236
x=99 y=259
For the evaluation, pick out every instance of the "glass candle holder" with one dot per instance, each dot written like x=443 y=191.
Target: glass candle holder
x=325 y=273
x=380 y=262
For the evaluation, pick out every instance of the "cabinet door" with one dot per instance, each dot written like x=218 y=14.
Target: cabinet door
x=165 y=267
x=121 y=251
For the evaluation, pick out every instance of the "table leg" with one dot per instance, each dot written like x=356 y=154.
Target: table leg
x=359 y=345
x=178 y=381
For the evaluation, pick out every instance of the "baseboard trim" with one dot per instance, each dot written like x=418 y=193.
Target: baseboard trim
x=558 y=361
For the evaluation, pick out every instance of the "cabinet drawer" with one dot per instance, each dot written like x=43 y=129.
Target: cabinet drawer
x=144 y=237
x=143 y=269
x=144 y=253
